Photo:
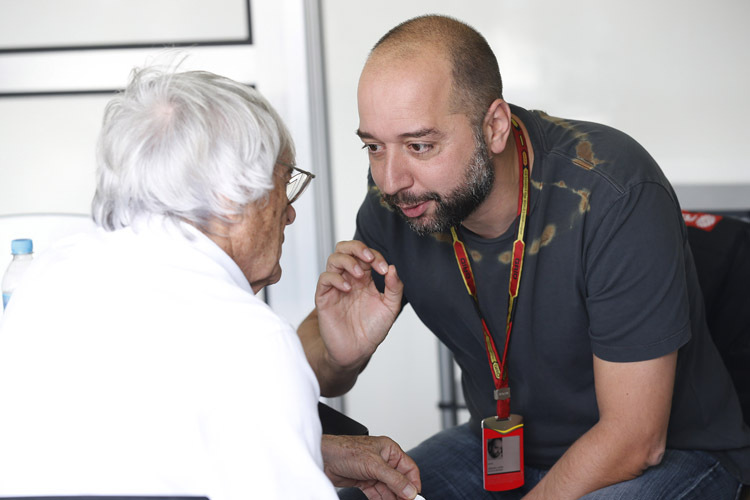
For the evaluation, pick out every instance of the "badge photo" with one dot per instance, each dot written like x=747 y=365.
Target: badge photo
x=503 y=453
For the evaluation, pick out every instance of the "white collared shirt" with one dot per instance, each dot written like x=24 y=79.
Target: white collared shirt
x=139 y=362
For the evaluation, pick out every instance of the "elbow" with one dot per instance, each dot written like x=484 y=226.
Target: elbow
x=639 y=453
x=655 y=454
x=651 y=453
x=637 y=462
x=655 y=447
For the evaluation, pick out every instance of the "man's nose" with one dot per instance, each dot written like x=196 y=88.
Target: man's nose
x=291 y=214
x=395 y=175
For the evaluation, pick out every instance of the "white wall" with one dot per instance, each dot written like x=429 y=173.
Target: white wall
x=672 y=73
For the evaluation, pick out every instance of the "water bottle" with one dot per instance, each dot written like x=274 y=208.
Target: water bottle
x=23 y=252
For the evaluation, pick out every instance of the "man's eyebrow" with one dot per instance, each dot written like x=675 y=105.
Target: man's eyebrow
x=424 y=132
x=289 y=166
x=420 y=133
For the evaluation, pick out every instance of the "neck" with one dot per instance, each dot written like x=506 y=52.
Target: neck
x=496 y=214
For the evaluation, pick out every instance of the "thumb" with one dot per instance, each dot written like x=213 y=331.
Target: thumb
x=394 y=289
x=395 y=481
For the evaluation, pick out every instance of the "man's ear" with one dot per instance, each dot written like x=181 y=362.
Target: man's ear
x=496 y=126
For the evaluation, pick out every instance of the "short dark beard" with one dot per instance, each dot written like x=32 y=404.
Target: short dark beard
x=456 y=206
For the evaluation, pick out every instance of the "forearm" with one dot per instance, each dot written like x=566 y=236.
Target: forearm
x=334 y=380
x=634 y=402
x=599 y=458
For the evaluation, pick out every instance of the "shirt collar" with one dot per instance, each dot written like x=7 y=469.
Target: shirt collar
x=178 y=230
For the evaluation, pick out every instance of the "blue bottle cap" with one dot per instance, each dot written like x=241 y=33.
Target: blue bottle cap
x=22 y=246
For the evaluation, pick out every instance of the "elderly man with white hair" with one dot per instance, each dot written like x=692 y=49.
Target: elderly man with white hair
x=137 y=360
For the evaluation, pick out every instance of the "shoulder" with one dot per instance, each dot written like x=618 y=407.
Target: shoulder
x=251 y=345
x=591 y=152
x=247 y=320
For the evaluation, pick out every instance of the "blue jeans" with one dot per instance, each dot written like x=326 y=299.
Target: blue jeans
x=451 y=470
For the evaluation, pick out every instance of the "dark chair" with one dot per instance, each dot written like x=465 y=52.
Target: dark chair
x=721 y=249
x=335 y=422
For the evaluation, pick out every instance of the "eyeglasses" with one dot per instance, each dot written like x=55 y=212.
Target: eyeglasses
x=297 y=183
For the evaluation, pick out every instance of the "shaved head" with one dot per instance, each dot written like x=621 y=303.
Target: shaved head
x=474 y=70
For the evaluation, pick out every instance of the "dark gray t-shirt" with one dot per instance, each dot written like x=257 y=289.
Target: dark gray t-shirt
x=607 y=272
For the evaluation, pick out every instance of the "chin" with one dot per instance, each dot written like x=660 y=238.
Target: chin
x=425 y=226
x=275 y=277
x=272 y=279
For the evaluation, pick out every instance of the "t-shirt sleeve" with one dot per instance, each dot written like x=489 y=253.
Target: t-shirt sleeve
x=635 y=277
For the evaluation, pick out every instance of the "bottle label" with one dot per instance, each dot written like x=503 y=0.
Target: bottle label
x=6 y=298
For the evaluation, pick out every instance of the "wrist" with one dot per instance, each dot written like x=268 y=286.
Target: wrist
x=345 y=364
x=334 y=378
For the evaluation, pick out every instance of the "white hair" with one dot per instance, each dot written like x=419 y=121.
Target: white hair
x=191 y=145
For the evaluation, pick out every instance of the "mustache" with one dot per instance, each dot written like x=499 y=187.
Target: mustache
x=394 y=200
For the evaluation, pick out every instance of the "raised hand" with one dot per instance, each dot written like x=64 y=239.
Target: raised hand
x=353 y=316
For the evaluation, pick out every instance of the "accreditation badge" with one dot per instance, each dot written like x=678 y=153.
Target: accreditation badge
x=503 y=453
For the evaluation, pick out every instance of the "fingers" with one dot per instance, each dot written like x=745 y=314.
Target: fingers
x=351 y=262
x=328 y=280
x=408 y=467
x=394 y=288
x=396 y=482
x=397 y=471
x=378 y=491
x=356 y=258
x=376 y=465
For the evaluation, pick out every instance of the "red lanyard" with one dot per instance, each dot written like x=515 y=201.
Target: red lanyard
x=499 y=367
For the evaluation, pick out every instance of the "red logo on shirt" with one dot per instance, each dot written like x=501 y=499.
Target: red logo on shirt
x=700 y=220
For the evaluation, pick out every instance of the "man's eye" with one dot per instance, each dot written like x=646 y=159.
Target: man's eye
x=372 y=148
x=420 y=148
